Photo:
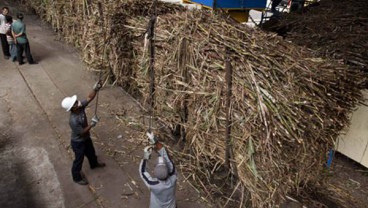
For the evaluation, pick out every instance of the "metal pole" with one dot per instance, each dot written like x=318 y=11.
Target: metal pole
x=183 y=64
x=104 y=50
x=228 y=79
x=151 y=34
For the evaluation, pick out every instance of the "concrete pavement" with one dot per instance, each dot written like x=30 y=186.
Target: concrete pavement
x=35 y=154
x=35 y=168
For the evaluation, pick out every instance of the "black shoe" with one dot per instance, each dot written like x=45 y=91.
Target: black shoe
x=33 y=62
x=99 y=165
x=21 y=63
x=82 y=182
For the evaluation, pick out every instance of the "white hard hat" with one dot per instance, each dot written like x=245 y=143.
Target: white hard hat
x=68 y=102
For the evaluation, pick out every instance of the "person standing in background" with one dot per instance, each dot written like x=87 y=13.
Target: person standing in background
x=3 y=38
x=21 y=40
x=10 y=39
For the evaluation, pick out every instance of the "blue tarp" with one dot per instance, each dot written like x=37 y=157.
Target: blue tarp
x=233 y=4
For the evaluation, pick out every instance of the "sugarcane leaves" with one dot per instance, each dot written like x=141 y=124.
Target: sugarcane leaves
x=251 y=163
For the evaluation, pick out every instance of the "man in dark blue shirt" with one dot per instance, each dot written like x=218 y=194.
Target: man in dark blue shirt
x=80 y=137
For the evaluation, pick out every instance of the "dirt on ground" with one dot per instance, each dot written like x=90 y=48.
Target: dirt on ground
x=344 y=185
x=347 y=182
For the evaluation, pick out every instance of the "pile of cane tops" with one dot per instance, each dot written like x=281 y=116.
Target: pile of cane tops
x=332 y=28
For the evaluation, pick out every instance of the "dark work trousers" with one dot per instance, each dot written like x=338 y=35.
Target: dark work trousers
x=5 y=45
x=24 y=47
x=81 y=149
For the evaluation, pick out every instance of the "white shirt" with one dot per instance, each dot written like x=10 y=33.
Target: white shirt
x=2 y=24
x=9 y=37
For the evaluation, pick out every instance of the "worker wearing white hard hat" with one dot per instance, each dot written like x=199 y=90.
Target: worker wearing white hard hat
x=69 y=102
x=163 y=184
x=81 y=142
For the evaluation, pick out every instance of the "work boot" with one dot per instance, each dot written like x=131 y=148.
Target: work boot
x=99 y=165
x=82 y=182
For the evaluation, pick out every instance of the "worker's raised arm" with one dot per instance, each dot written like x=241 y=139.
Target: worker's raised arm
x=163 y=153
x=146 y=177
x=93 y=94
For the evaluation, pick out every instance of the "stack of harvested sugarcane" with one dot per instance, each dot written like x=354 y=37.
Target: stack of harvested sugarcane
x=287 y=106
x=333 y=28
x=84 y=24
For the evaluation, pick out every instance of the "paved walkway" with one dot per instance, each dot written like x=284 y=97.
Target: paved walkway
x=35 y=155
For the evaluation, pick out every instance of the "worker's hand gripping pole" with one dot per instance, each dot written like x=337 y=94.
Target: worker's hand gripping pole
x=147 y=152
x=97 y=88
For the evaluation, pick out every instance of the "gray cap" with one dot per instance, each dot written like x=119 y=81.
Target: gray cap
x=161 y=172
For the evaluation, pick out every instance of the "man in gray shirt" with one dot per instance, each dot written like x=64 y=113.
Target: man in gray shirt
x=163 y=185
x=80 y=137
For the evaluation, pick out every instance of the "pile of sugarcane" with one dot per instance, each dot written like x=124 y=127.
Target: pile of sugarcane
x=81 y=23
x=285 y=109
x=333 y=28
